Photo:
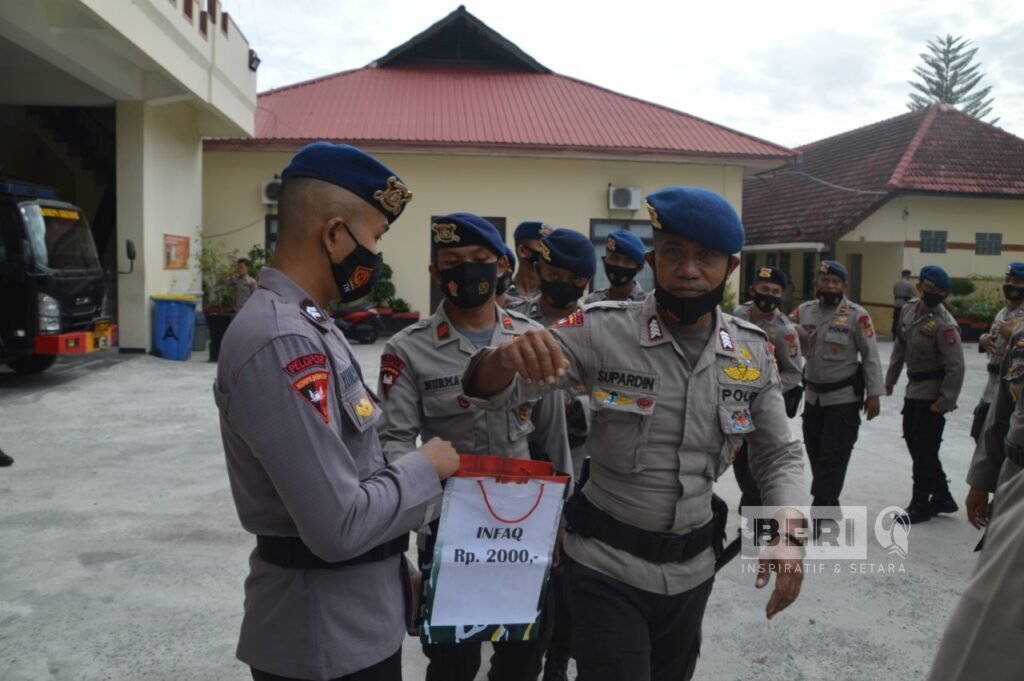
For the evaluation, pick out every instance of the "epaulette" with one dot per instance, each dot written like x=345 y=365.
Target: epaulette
x=411 y=329
x=745 y=325
x=603 y=305
x=518 y=315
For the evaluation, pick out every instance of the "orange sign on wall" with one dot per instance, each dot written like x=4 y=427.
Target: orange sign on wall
x=176 y=252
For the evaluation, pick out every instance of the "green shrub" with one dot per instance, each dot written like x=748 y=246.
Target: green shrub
x=961 y=286
x=975 y=308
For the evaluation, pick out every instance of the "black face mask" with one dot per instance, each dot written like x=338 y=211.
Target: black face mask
x=534 y=257
x=767 y=303
x=689 y=310
x=932 y=300
x=470 y=284
x=357 y=272
x=1013 y=292
x=504 y=281
x=618 y=275
x=561 y=294
x=829 y=298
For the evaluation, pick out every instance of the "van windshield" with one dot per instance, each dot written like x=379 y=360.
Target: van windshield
x=60 y=237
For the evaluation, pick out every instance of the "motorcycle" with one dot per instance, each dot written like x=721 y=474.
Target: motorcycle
x=361 y=323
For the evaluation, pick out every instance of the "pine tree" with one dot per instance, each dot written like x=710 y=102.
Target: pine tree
x=949 y=75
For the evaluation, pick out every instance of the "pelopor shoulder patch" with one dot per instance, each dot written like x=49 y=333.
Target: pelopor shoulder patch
x=313 y=387
x=391 y=367
x=300 y=364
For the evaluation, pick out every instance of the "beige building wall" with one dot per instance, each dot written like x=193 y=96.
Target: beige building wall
x=159 y=161
x=563 y=192
x=890 y=239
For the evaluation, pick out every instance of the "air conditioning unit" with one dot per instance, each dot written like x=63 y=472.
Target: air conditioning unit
x=270 y=190
x=624 y=198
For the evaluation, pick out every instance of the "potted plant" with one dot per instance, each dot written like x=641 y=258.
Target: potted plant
x=973 y=310
x=402 y=316
x=383 y=295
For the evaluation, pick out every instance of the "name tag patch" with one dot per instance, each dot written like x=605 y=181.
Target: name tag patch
x=626 y=379
x=443 y=383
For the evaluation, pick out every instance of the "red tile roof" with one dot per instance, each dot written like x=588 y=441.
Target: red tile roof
x=485 y=107
x=843 y=179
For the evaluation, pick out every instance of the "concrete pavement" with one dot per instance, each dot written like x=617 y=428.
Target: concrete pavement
x=121 y=556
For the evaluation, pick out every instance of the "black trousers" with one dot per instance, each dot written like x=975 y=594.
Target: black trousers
x=388 y=670
x=829 y=436
x=621 y=633
x=559 y=650
x=922 y=430
x=749 y=494
x=512 y=660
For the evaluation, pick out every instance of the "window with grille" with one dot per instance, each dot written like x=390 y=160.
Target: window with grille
x=988 y=243
x=933 y=241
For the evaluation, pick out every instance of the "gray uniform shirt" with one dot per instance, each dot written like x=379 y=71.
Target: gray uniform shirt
x=995 y=357
x=928 y=342
x=985 y=634
x=785 y=340
x=989 y=466
x=841 y=337
x=421 y=385
x=303 y=459
x=601 y=295
x=661 y=433
x=244 y=287
x=902 y=292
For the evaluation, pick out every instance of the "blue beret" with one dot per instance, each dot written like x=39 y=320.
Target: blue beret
x=833 y=267
x=531 y=229
x=628 y=244
x=465 y=229
x=1015 y=269
x=697 y=214
x=773 y=275
x=571 y=250
x=356 y=171
x=510 y=253
x=935 y=275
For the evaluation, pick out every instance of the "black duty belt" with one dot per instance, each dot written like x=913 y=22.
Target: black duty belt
x=1014 y=453
x=291 y=552
x=934 y=375
x=587 y=520
x=993 y=369
x=832 y=387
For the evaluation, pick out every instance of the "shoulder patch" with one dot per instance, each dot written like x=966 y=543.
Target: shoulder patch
x=300 y=364
x=865 y=323
x=574 y=319
x=391 y=366
x=952 y=336
x=313 y=388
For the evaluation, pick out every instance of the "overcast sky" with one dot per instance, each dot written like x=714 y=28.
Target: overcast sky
x=788 y=71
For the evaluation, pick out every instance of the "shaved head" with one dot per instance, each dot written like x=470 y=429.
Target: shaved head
x=305 y=204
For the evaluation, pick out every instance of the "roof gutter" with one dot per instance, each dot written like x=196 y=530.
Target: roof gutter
x=817 y=246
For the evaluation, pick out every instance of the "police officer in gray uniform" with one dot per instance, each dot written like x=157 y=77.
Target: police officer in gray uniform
x=928 y=341
x=623 y=261
x=675 y=386
x=841 y=355
x=999 y=454
x=764 y=310
x=527 y=240
x=994 y=343
x=326 y=592
x=566 y=265
x=420 y=382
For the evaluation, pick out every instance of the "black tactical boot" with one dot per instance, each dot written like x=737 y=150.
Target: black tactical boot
x=942 y=502
x=917 y=512
x=5 y=460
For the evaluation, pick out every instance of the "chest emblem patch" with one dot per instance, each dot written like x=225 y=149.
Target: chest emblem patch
x=313 y=388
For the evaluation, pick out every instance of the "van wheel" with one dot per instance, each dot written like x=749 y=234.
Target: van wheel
x=367 y=336
x=33 y=364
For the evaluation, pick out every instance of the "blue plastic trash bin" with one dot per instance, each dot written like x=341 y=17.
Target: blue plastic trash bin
x=174 y=319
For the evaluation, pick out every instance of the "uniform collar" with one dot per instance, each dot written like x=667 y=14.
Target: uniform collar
x=279 y=283
x=443 y=331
